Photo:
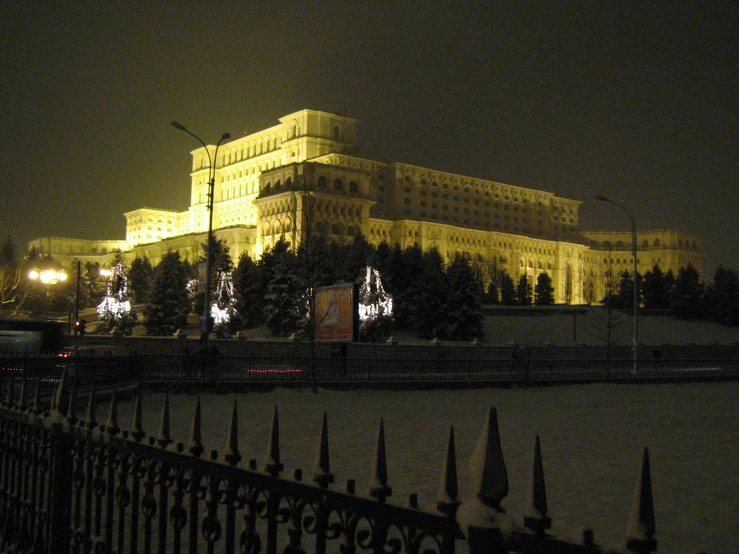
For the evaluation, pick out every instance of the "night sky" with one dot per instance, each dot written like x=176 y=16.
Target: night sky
x=633 y=100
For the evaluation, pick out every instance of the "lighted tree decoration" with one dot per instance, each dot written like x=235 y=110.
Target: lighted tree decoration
x=115 y=310
x=375 y=307
x=222 y=309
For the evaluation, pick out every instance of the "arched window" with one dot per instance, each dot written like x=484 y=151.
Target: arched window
x=645 y=243
x=338 y=184
x=350 y=231
x=278 y=184
x=320 y=227
x=337 y=133
x=335 y=229
x=353 y=187
x=657 y=242
x=322 y=182
x=267 y=188
x=288 y=182
x=619 y=243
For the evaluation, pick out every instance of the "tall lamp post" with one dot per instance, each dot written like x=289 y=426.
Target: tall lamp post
x=48 y=277
x=635 y=339
x=205 y=320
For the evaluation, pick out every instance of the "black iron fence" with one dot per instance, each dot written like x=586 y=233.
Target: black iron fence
x=78 y=485
x=524 y=369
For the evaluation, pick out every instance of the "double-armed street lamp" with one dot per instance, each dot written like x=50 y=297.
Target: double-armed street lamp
x=48 y=277
x=205 y=320
x=635 y=339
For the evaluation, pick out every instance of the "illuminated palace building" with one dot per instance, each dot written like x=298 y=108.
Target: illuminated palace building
x=267 y=182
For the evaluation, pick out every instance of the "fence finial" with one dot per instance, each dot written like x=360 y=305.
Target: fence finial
x=61 y=400
x=72 y=418
x=164 y=439
x=137 y=429
x=322 y=468
x=490 y=485
x=9 y=393
x=640 y=532
x=22 y=400
x=35 y=408
x=196 y=446
x=488 y=466
x=90 y=422
x=378 y=486
x=232 y=455
x=446 y=499
x=536 y=517
x=273 y=465
x=112 y=426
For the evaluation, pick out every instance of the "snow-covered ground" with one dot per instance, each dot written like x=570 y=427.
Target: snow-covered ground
x=592 y=439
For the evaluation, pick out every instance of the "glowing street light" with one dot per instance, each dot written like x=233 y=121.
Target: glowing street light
x=48 y=277
x=205 y=320
x=635 y=339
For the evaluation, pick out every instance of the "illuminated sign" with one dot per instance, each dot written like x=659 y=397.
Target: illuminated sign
x=334 y=313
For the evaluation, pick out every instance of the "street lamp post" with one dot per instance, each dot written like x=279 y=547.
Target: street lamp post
x=205 y=320
x=635 y=339
x=48 y=277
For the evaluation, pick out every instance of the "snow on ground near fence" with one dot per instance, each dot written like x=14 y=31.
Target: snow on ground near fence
x=592 y=439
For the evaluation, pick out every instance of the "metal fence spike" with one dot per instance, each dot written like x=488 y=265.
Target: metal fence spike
x=640 y=532
x=164 y=439
x=378 y=486
x=60 y=404
x=322 y=468
x=232 y=455
x=488 y=466
x=273 y=465
x=72 y=412
x=137 y=428
x=196 y=446
x=111 y=427
x=447 y=500
x=535 y=517
x=36 y=408
x=9 y=393
x=90 y=423
x=22 y=400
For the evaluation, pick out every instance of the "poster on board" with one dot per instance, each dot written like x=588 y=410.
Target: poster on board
x=334 y=311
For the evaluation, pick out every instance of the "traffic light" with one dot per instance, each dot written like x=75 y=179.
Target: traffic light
x=79 y=327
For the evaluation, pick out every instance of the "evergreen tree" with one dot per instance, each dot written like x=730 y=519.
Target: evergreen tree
x=687 y=295
x=523 y=291
x=249 y=296
x=283 y=311
x=464 y=315
x=491 y=294
x=507 y=290
x=544 y=291
x=92 y=285
x=168 y=299
x=655 y=292
x=404 y=278
x=722 y=297
x=140 y=279
x=429 y=301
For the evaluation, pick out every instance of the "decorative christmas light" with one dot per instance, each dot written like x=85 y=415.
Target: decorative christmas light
x=374 y=302
x=222 y=308
x=115 y=305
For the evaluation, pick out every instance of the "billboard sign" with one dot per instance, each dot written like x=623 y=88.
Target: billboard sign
x=334 y=312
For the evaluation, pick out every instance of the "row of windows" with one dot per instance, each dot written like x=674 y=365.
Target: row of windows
x=644 y=243
x=338 y=185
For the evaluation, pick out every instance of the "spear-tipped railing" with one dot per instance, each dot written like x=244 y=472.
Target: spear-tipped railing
x=71 y=485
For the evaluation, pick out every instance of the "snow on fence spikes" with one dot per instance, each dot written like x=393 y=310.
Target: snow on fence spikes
x=489 y=483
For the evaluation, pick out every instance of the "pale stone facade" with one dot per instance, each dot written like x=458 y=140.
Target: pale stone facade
x=273 y=183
